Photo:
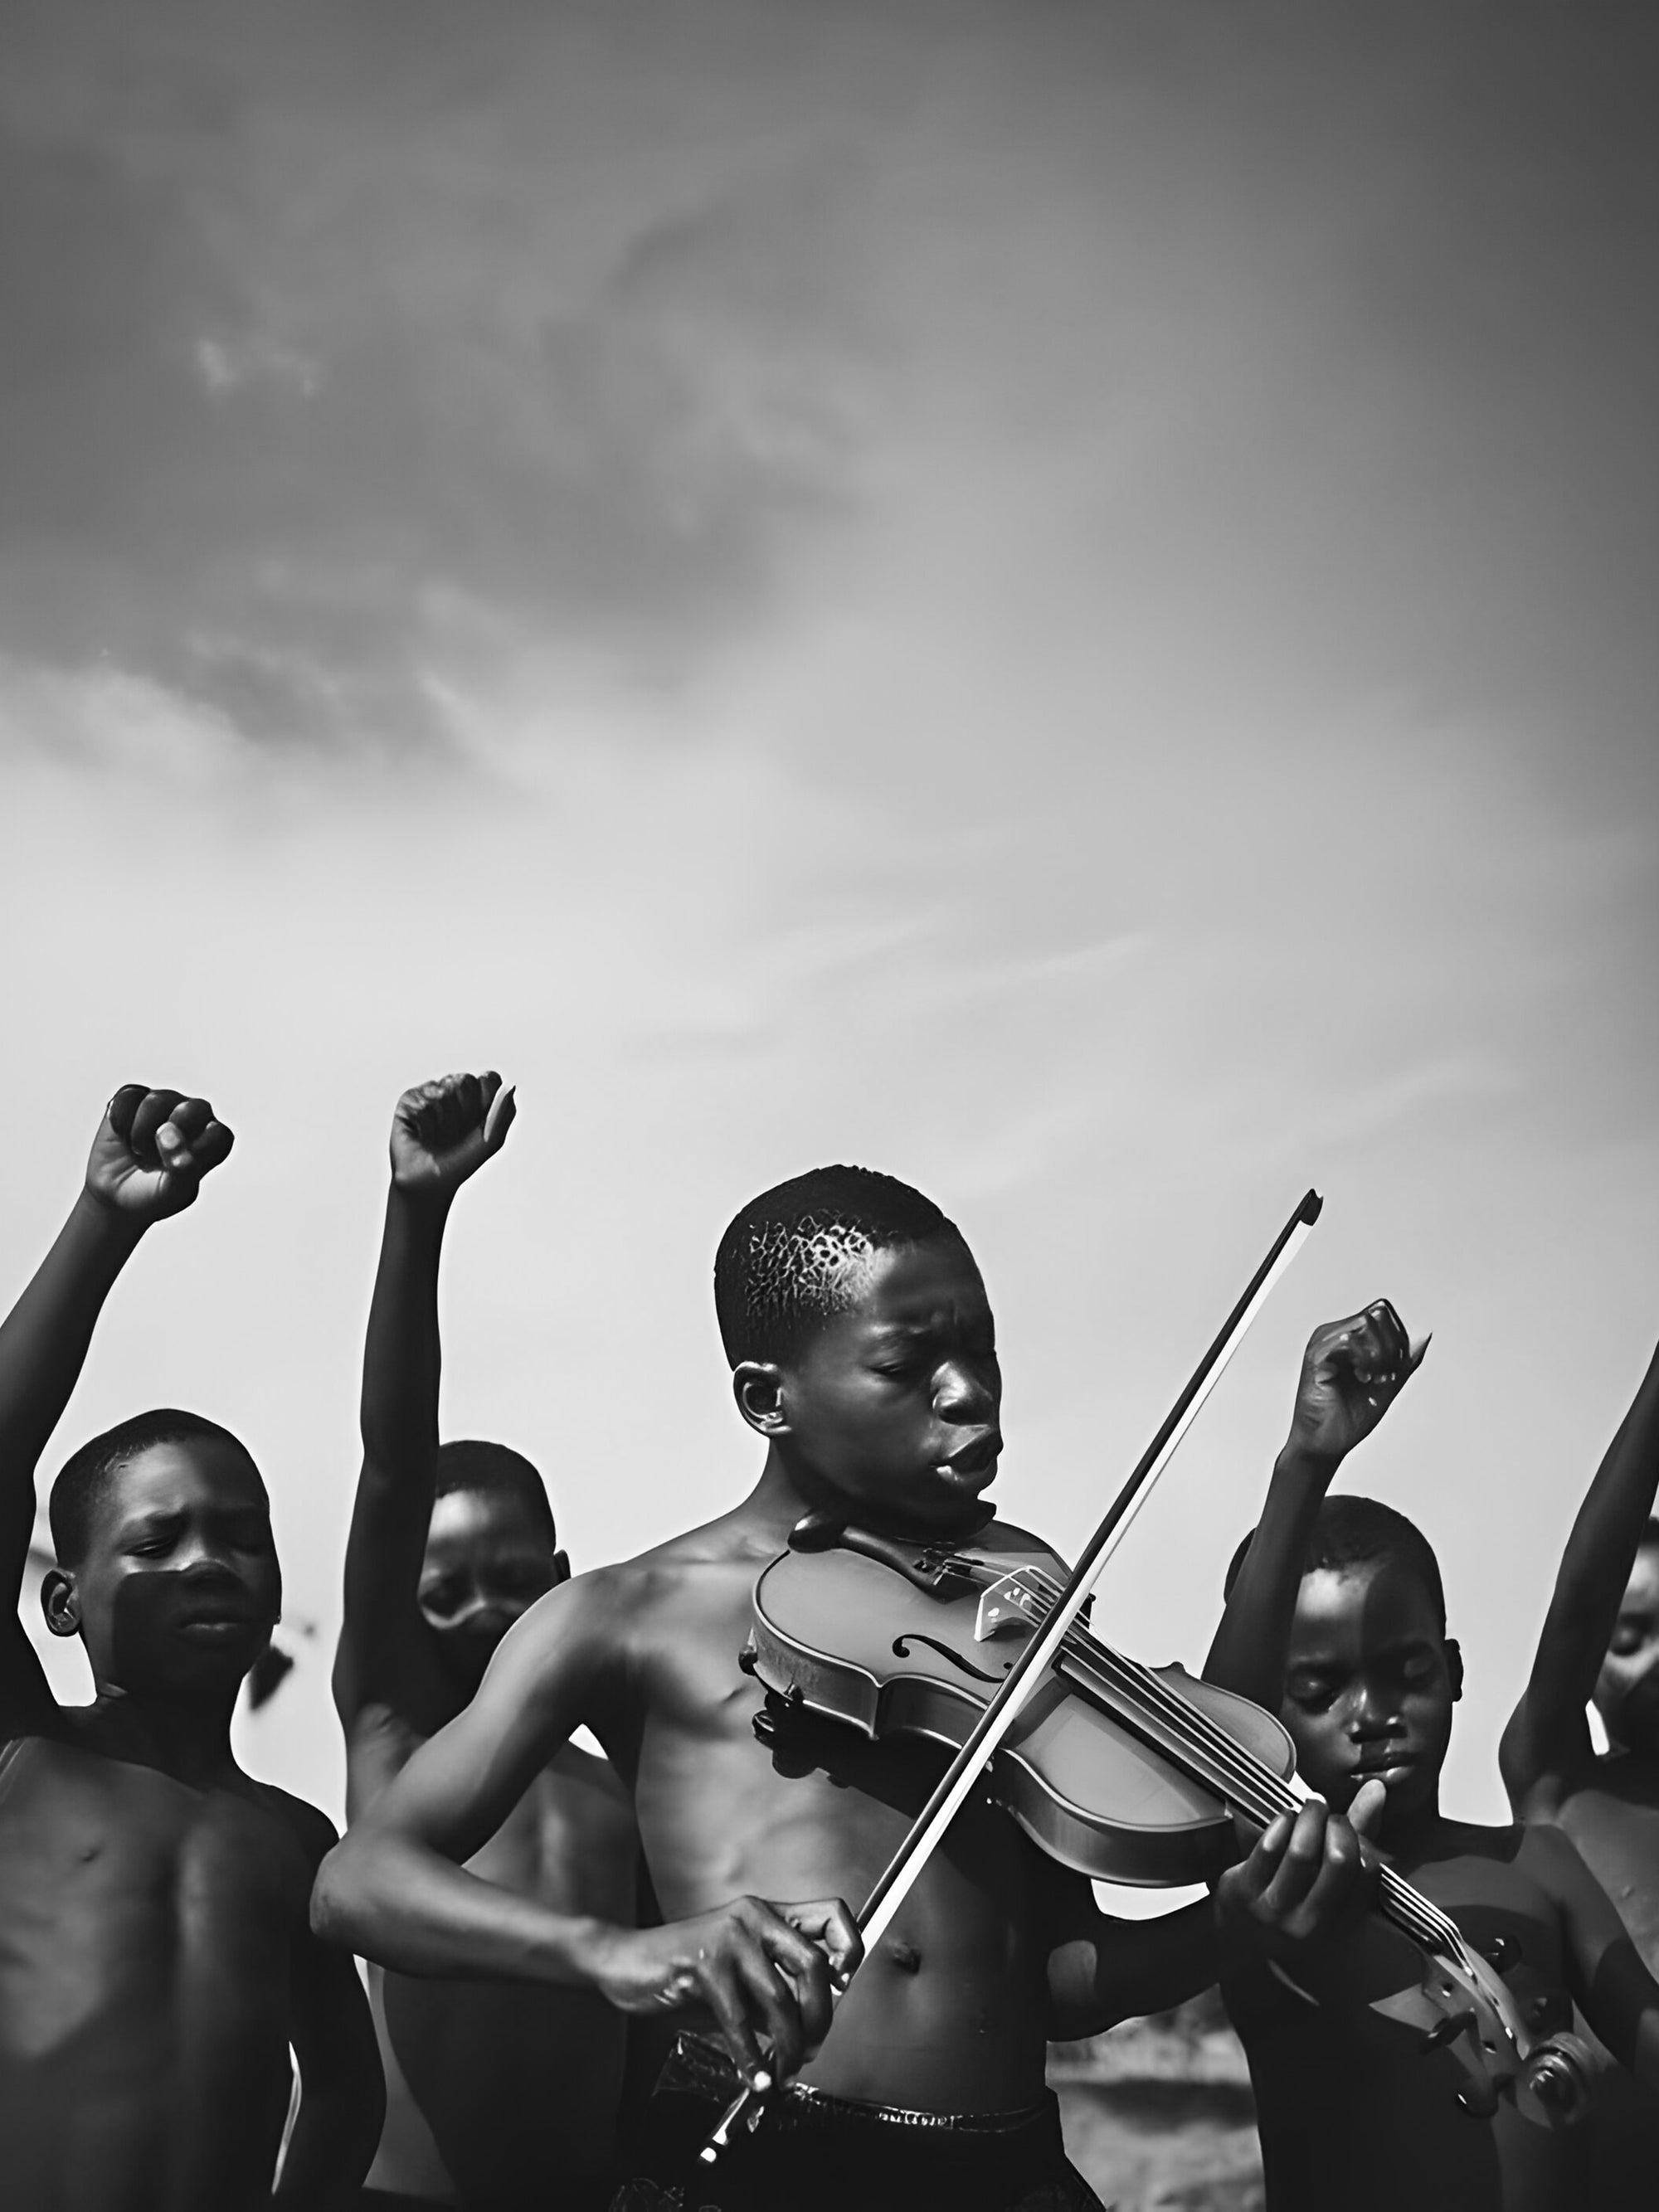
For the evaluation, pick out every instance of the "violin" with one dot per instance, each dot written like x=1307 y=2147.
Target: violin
x=911 y=1640
x=1124 y=1772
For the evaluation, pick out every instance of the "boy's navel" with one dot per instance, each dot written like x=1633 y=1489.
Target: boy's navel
x=904 y=1956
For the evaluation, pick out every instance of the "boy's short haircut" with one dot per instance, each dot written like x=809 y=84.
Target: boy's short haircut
x=795 y=1256
x=1352 y=1532
x=89 y=1475
x=494 y=1471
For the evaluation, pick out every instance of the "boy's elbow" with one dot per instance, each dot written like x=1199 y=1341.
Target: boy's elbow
x=337 y=1914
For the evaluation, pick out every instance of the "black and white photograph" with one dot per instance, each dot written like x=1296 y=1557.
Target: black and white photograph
x=829 y=1186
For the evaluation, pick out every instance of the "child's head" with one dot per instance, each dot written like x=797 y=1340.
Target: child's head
x=862 y=1345
x=1371 y=1676
x=491 y=1551
x=165 y=1566
x=1627 y=1689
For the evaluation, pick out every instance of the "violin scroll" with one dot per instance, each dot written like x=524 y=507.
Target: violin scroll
x=1557 y=2082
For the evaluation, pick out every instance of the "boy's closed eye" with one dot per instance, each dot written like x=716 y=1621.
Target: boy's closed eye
x=1310 y=1689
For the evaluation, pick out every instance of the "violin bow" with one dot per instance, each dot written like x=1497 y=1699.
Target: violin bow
x=959 y=1779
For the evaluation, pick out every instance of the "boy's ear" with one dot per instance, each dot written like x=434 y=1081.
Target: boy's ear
x=60 y=1601
x=758 y=1386
x=1455 y=1666
x=561 y=1568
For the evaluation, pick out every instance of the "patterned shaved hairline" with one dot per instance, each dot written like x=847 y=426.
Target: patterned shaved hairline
x=803 y=1251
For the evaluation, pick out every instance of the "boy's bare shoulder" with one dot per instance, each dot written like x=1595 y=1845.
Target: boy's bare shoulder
x=307 y=1824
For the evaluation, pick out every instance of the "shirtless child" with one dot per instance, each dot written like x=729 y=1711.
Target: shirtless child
x=1339 y=1600
x=864 y=1357
x=1601 y=1641
x=155 y=1959
x=515 y=2086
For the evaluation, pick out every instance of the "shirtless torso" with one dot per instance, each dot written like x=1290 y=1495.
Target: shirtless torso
x=145 y=2050
x=951 y=2014
x=1614 y=1818
x=504 y=2081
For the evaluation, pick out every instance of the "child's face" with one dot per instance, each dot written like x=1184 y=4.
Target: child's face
x=179 y=1589
x=1627 y=1689
x=894 y=1405
x=1370 y=1685
x=487 y=1559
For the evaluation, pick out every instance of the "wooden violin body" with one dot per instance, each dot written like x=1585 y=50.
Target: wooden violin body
x=841 y=1633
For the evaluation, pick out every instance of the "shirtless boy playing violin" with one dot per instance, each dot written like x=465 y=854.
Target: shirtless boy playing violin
x=1336 y=1606
x=864 y=1357
x=156 y=1960
x=1599 y=1644
x=507 y=2090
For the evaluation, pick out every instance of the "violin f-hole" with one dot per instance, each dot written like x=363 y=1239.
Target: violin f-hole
x=901 y=1651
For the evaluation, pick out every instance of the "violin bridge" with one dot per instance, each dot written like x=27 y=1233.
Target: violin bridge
x=1006 y=1604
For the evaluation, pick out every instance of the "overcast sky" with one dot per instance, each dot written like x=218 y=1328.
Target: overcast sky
x=1054 y=598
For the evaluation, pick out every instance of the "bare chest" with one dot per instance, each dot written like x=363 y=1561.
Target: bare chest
x=116 y=1879
x=735 y=1796
x=1615 y=1825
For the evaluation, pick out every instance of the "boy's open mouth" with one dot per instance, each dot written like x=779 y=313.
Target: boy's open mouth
x=975 y=1464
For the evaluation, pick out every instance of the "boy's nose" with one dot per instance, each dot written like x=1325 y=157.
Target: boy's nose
x=961 y=1393
x=1371 y=1713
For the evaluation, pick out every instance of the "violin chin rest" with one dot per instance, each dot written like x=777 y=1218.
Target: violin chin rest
x=820 y=1530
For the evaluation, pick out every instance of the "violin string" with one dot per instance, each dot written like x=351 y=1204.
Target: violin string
x=1262 y=1794
x=1238 y=1774
x=1234 y=1771
x=1404 y=1902
x=1243 y=1776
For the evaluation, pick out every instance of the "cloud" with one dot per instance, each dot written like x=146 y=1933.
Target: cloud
x=278 y=441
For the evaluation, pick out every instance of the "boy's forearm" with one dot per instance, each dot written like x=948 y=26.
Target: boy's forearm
x=404 y=1905
x=401 y=1350
x=45 y=1338
x=1251 y=1645
x=1601 y=1549
x=1144 y=1966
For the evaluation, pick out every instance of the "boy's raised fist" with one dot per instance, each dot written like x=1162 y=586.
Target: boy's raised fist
x=1352 y=1372
x=445 y=1130
x=152 y=1150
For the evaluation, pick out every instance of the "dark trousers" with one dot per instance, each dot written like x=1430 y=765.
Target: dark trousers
x=818 y=2153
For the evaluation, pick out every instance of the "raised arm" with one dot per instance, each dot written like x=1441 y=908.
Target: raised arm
x=441 y=1132
x=396 y=1890
x=147 y=1162
x=1546 y=1745
x=1352 y=1372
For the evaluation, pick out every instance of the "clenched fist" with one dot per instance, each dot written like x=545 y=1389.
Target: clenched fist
x=1352 y=1373
x=151 y=1153
x=445 y=1130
